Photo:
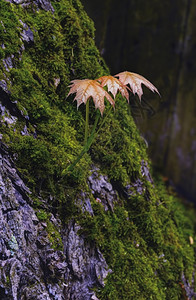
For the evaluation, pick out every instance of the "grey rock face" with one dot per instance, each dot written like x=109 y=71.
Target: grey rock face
x=29 y=267
x=138 y=186
x=27 y=34
x=3 y=86
x=9 y=111
x=84 y=203
x=44 y=4
x=8 y=64
x=189 y=286
x=87 y=266
x=102 y=189
x=145 y=171
x=6 y=117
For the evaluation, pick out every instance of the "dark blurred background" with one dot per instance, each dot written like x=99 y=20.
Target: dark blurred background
x=157 y=39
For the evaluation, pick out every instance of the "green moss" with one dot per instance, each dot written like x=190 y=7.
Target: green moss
x=145 y=241
x=119 y=147
x=10 y=28
x=54 y=236
x=42 y=215
x=48 y=60
x=8 y=280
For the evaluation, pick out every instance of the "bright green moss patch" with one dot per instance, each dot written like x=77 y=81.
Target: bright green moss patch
x=146 y=240
x=10 y=28
x=119 y=147
x=42 y=215
x=54 y=235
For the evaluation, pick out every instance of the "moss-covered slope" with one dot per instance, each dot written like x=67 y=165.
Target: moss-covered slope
x=145 y=234
x=157 y=41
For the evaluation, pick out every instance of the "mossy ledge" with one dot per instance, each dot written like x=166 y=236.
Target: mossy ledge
x=145 y=237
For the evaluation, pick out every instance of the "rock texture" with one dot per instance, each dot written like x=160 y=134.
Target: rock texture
x=29 y=267
x=102 y=190
x=44 y=4
x=113 y=234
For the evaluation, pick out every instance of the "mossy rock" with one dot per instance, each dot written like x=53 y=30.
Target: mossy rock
x=145 y=240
